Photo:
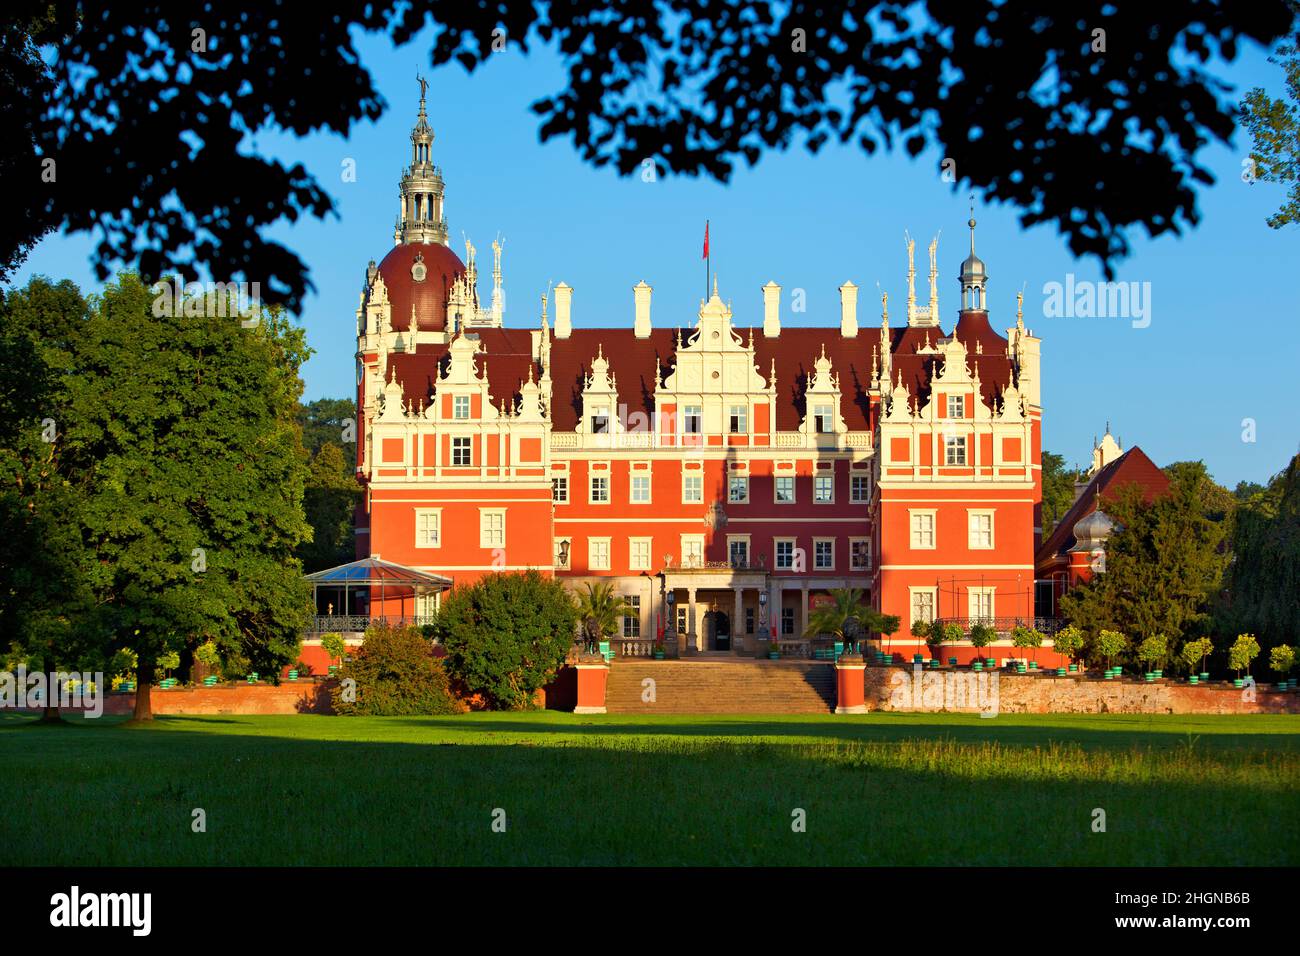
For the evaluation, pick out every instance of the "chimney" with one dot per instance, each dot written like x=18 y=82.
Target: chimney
x=563 y=303
x=641 y=296
x=771 y=310
x=849 y=310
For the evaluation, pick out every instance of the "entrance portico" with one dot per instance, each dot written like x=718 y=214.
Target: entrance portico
x=715 y=609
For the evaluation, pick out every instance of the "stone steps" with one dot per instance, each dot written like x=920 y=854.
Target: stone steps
x=722 y=687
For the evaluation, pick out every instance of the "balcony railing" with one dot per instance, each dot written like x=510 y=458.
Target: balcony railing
x=1003 y=626
x=699 y=564
x=340 y=623
x=649 y=439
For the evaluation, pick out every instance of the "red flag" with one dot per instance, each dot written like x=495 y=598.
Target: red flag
x=705 y=255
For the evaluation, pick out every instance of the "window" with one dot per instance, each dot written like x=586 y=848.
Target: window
x=460 y=452
x=692 y=489
x=784 y=485
x=738 y=419
x=981 y=530
x=491 y=528
x=560 y=490
x=787 y=621
x=923 y=605
x=460 y=407
x=640 y=489
x=600 y=489
x=824 y=489
x=692 y=550
x=954 y=450
x=824 y=419
x=738 y=489
x=785 y=553
x=681 y=620
x=600 y=420
x=956 y=406
x=427 y=526
x=598 y=554
x=824 y=554
x=563 y=552
x=922 y=529
x=749 y=620
x=738 y=552
x=860 y=554
x=638 y=554
x=981 y=604
x=692 y=417
x=859 y=488
x=632 y=620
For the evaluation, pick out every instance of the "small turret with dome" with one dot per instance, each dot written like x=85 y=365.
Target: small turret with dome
x=974 y=276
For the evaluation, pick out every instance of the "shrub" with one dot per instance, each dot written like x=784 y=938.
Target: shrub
x=207 y=654
x=507 y=635
x=922 y=630
x=1068 y=641
x=1244 y=650
x=1195 y=652
x=303 y=669
x=1026 y=638
x=334 y=646
x=1153 y=651
x=1281 y=658
x=396 y=674
x=1110 y=644
x=981 y=635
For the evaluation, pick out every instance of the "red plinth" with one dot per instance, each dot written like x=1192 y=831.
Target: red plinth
x=592 y=674
x=850 y=692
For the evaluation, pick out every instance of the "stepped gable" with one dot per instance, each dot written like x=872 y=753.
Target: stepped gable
x=986 y=351
x=509 y=357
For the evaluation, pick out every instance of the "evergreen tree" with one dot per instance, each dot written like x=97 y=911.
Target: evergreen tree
x=1264 y=578
x=330 y=501
x=1058 y=489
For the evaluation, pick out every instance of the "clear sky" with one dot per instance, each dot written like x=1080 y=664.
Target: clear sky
x=1221 y=346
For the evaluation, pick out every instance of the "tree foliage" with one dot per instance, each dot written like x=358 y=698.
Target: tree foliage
x=1058 y=489
x=507 y=635
x=845 y=617
x=1264 y=577
x=1274 y=127
x=600 y=610
x=1164 y=565
x=396 y=675
x=1062 y=113
x=330 y=498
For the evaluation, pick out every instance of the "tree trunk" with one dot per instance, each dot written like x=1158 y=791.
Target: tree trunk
x=51 y=714
x=144 y=682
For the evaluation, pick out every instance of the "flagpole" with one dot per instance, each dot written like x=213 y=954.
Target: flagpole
x=708 y=260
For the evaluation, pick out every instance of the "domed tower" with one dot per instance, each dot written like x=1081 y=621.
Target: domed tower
x=421 y=218
x=1088 y=556
x=973 y=276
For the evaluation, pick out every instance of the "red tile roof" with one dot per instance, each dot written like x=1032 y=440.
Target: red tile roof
x=1131 y=468
x=429 y=296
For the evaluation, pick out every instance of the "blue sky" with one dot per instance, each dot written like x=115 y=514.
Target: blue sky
x=1221 y=346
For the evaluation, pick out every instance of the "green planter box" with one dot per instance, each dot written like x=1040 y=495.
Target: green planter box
x=1060 y=672
x=1239 y=682
x=209 y=681
x=1193 y=679
x=293 y=675
x=1205 y=677
x=773 y=656
x=977 y=666
x=659 y=655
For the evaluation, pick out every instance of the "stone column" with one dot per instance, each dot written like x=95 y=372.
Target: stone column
x=738 y=622
x=691 y=635
x=803 y=610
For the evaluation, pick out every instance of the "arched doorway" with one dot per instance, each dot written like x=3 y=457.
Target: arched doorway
x=717 y=630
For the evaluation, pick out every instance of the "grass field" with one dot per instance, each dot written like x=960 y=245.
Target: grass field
x=884 y=789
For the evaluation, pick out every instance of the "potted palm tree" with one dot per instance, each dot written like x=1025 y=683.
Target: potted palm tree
x=600 y=610
x=844 y=615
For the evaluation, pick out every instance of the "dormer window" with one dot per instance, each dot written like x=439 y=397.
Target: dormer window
x=824 y=419
x=692 y=419
x=738 y=420
x=460 y=407
x=956 y=406
x=600 y=421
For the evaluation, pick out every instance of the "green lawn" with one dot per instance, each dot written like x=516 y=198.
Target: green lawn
x=883 y=789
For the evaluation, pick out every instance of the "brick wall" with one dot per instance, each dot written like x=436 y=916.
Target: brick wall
x=306 y=697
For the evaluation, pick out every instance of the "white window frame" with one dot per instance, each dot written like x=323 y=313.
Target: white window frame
x=866 y=550
x=824 y=419
x=972 y=514
x=459 y=442
x=739 y=539
x=956 y=406
x=460 y=408
x=632 y=622
x=794 y=489
x=979 y=596
x=687 y=476
x=560 y=483
x=854 y=479
x=916 y=529
x=603 y=564
x=688 y=542
x=591 y=488
x=776 y=553
x=952 y=444
x=436 y=515
x=633 y=562
x=633 y=478
x=740 y=478
x=818 y=477
x=912 y=594
x=738 y=419
x=486 y=533
x=817 y=565
x=696 y=412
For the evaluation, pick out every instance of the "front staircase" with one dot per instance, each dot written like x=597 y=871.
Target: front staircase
x=726 y=686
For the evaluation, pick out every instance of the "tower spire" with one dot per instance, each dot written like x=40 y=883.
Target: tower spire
x=421 y=217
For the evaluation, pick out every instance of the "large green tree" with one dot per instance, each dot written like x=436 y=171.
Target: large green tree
x=1274 y=127
x=1264 y=577
x=1164 y=565
x=192 y=509
x=1058 y=489
x=329 y=501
